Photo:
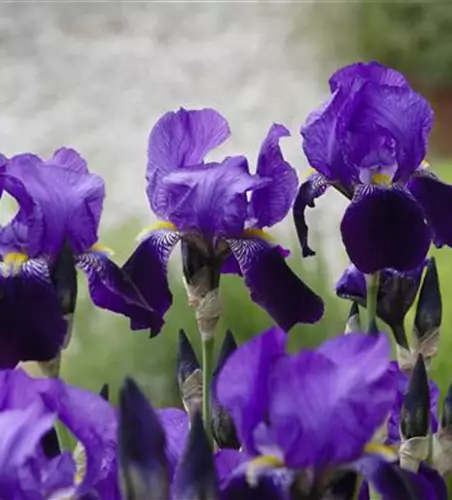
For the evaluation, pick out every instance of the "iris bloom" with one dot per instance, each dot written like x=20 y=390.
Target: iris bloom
x=220 y=209
x=369 y=141
x=314 y=412
x=28 y=409
x=60 y=204
x=396 y=294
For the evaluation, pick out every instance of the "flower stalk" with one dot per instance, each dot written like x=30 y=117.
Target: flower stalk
x=372 y=295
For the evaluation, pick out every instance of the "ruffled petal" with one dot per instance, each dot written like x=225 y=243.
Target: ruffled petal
x=270 y=204
x=385 y=228
x=211 y=199
x=436 y=200
x=372 y=71
x=273 y=285
x=147 y=268
x=242 y=387
x=32 y=327
x=402 y=113
x=180 y=139
x=111 y=288
x=324 y=134
x=58 y=199
x=91 y=419
x=320 y=410
x=314 y=186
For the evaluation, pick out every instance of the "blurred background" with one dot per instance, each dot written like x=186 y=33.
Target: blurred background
x=97 y=76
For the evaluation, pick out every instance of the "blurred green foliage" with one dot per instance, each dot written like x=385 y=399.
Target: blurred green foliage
x=414 y=37
x=105 y=350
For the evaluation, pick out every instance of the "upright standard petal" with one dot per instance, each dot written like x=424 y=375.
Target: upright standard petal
x=371 y=71
x=313 y=187
x=147 y=268
x=111 y=288
x=405 y=114
x=32 y=326
x=242 y=384
x=320 y=409
x=180 y=139
x=435 y=198
x=273 y=285
x=323 y=139
x=271 y=203
x=211 y=199
x=385 y=228
x=58 y=199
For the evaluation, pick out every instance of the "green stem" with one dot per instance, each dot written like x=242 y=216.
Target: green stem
x=372 y=295
x=207 y=370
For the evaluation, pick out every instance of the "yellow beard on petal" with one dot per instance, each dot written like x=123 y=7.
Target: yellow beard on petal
x=98 y=247
x=258 y=233
x=380 y=179
x=261 y=463
x=169 y=226
x=14 y=261
x=387 y=452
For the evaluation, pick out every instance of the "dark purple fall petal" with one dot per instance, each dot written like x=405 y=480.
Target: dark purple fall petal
x=313 y=187
x=271 y=203
x=320 y=409
x=273 y=285
x=436 y=200
x=110 y=288
x=147 y=268
x=58 y=199
x=32 y=327
x=242 y=387
x=385 y=228
x=180 y=139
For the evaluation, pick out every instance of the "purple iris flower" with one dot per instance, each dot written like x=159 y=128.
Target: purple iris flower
x=313 y=411
x=369 y=141
x=56 y=226
x=396 y=294
x=220 y=209
x=28 y=409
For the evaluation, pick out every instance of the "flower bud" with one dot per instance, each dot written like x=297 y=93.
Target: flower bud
x=195 y=477
x=188 y=375
x=141 y=443
x=415 y=415
x=428 y=313
x=353 y=322
x=223 y=428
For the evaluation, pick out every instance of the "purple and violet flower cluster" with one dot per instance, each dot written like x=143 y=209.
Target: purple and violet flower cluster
x=339 y=422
